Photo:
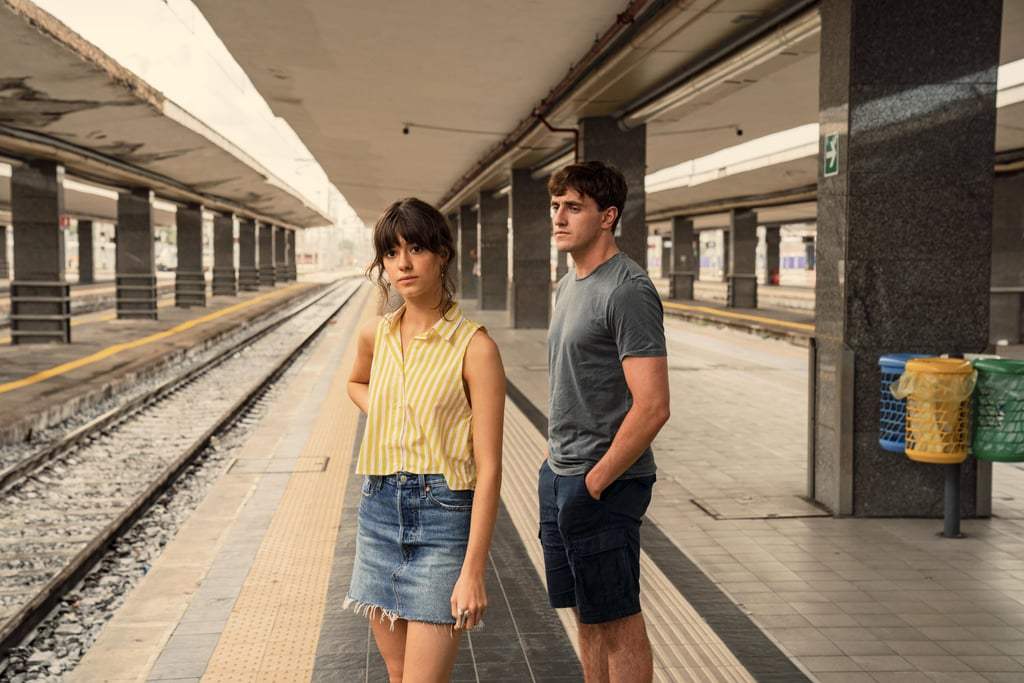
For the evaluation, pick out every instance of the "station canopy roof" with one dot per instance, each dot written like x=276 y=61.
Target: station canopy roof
x=64 y=99
x=461 y=77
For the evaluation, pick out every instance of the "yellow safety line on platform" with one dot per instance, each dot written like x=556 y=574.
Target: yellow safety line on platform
x=739 y=316
x=118 y=348
x=274 y=628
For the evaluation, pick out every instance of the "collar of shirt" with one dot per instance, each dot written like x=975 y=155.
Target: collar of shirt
x=443 y=328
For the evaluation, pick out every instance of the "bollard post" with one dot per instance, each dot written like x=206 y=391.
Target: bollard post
x=951 y=515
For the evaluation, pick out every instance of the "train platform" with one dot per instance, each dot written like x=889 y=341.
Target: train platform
x=794 y=326
x=107 y=355
x=743 y=579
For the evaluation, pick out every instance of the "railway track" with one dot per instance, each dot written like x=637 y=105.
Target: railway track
x=63 y=506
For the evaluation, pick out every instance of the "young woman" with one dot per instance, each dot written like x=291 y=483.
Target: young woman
x=433 y=388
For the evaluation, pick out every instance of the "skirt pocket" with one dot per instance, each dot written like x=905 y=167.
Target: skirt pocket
x=451 y=500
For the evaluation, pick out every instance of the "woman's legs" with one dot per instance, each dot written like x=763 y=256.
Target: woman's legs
x=391 y=643
x=415 y=652
x=430 y=652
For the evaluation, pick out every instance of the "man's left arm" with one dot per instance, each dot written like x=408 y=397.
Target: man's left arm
x=647 y=379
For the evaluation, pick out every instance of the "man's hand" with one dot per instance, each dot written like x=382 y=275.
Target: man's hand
x=594 y=486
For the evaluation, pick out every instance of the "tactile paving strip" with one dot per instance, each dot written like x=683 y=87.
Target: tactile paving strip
x=685 y=647
x=274 y=627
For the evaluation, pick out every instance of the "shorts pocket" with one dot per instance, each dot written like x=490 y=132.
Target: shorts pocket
x=452 y=500
x=601 y=564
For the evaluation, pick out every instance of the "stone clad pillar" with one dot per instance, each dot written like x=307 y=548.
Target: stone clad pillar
x=1007 y=259
x=492 y=249
x=467 y=246
x=684 y=266
x=742 y=260
x=40 y=296
x=189 y=281
x=267 y=270
x=601 y=139
x=293 y=272
x=5 y=269
x=135 y=255
x=772 y=240
x=248 y=273
x=86 y=262
x=908 y=112
x=280 y=255
x=529 y=307
x=225 y=282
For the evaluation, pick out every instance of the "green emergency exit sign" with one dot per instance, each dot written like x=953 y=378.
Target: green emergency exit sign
x=831 y=160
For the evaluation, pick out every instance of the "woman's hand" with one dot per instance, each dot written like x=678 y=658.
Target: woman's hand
x=469 y=601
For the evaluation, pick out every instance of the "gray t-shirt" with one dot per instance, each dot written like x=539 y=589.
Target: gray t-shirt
x=598 y=320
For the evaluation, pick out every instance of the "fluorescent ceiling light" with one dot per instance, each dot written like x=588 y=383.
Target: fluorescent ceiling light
x=788 y=145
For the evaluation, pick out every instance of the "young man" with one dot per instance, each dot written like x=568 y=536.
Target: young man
x=608 y=399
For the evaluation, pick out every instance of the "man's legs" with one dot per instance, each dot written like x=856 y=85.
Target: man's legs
x=616 y=651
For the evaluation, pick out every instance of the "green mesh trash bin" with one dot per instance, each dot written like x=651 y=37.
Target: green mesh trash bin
x=999 y=410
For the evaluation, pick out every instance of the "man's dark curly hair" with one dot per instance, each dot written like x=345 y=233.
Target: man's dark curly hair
x=600 y=181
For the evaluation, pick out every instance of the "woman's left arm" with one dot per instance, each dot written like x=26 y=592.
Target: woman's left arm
x=485 y=380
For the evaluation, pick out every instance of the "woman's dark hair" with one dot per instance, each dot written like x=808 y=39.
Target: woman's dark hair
x=416 y=222
x=603 y=182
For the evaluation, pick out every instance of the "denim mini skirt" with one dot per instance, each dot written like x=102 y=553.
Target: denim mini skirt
x=413 y=533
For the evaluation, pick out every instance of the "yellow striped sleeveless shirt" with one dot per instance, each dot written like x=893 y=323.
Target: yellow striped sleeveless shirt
x=419 y=419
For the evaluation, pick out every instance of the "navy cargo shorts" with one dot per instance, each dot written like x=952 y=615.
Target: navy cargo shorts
x=592 y=547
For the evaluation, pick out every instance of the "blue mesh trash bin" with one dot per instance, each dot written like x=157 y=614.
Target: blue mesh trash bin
x=892 y=424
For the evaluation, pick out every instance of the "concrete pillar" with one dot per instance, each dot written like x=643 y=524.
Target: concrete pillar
x=772 y=240
x=530 y=252
x=135 y=256
x=683 y=262
x=40 y=296
x=280 y=255
x=225 y=281
x=248 y=273
x=492 y=249
x=86 y=267
x=742 y=260
x=267 y=270
x=666 y=257
x=293 y=271
x=189 y=281
x=1007 y=259
x=5 y=269
x=601 y=139
x=467 y=245
x=904 y=229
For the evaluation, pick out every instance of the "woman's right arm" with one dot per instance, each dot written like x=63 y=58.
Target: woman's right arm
x=359 y=380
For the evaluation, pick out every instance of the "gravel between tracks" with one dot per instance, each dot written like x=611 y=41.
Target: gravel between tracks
x=56 y=512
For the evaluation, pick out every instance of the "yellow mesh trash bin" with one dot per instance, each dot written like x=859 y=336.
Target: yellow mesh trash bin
x=938 y=392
